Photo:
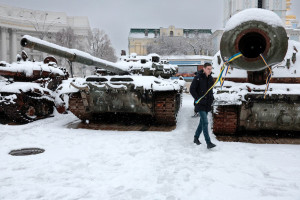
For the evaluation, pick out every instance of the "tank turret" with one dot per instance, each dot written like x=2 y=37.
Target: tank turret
x=27 y=88
x=253 y=32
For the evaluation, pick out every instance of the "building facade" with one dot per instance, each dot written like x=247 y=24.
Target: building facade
x=140 y=38
x=16 y=22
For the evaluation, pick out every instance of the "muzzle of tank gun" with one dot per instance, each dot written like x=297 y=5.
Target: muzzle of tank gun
x=42 y=46
x=253 y=42
x=253 y=38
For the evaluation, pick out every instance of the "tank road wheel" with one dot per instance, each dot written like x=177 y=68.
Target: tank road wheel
x=225 y=121
x=77 y=107
x=23 y=113
x=18 y=111
x=30 y=112
x=27 y=109
x=166 y=108
x=35 y=109
x=44 y=108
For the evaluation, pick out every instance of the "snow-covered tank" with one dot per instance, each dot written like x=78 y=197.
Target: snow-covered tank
x=241 y=113
x=27 y=88
x=140 y=85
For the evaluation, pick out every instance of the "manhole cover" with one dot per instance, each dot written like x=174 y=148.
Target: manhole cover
x=26 y=151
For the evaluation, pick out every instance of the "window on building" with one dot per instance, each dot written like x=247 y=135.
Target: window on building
x=171 y=33
x=260 y=4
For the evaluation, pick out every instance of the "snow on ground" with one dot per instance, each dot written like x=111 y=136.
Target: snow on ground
x=95 y=164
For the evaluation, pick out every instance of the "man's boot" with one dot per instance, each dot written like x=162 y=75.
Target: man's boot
x=210 y=145
x=196 y=141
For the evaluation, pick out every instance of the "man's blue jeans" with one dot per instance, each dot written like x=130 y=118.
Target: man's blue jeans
x=203 y=126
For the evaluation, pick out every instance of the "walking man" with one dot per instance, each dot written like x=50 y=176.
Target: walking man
x=200 y=85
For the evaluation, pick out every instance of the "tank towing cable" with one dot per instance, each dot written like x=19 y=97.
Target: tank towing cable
x=269 y=76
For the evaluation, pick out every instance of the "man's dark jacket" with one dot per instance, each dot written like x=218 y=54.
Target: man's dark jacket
x=201 y=83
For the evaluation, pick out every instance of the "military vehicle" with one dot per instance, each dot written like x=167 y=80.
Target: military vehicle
x=26 y=88
x=140 y=85
x=241 y=113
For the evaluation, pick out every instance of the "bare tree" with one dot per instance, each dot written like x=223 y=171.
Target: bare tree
x=100 y=45
x=66 y=38
x=166 y=46
x=200 y=44
x=196 y=44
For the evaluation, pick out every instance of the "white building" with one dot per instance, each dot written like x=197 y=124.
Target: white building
x=16 y=22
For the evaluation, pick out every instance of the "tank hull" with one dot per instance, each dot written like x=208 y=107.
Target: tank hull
x=275 y=119
x=161 y=106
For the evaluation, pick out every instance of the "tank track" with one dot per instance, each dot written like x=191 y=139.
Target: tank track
x=76 y=106
x=258 y=139
x=226 y=123
x=28 y=108
x=166 y=107
x=225 y=120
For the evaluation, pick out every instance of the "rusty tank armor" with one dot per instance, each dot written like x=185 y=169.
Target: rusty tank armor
x=27 y=88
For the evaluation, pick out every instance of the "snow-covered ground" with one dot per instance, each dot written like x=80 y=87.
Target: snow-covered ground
x=95 y=164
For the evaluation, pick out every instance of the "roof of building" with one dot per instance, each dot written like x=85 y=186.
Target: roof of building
x=142 y=30
x=186 y=57
x=153 y=30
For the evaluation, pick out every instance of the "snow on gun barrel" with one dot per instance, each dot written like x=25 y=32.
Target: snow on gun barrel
x=240 y=111
x=72 y=55
x=140 y=86
x=253 y=32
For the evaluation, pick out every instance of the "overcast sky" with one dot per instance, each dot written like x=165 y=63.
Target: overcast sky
x=116 y=17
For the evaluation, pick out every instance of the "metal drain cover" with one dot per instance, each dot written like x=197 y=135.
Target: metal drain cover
x=26 y=151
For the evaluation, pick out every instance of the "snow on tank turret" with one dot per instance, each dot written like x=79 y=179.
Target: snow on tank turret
x=140 y=85
x=26 y=88
x=150 y=65
x=240 y=111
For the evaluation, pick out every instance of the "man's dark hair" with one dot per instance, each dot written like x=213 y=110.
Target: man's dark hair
x=206 y=64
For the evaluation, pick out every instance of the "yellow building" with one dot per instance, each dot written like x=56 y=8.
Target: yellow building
x=139 y=38
x=291 y=21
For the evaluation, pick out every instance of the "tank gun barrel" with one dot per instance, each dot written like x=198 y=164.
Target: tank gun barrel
x=72 y=55
x=254 y=32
